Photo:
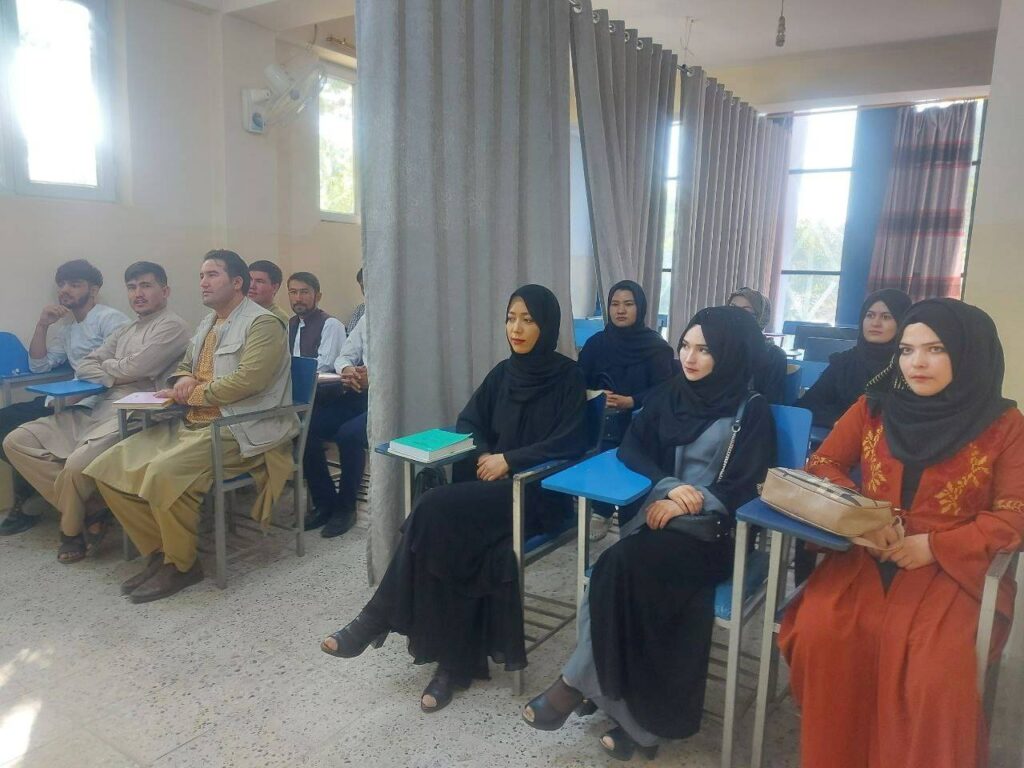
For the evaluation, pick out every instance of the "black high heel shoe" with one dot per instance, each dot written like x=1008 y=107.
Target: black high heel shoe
x=355 y=637
x=441 y=689
x=541 y=712
x=623 y=746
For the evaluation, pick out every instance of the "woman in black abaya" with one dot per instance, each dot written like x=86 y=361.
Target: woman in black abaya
x=452 y=587
x=651 y=597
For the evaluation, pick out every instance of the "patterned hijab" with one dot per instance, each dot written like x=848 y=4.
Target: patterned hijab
x=760 y=303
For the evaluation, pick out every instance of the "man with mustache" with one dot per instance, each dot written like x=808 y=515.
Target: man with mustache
x=81 y=325
x=51 y=452
x=236 y=366
x=311 y=331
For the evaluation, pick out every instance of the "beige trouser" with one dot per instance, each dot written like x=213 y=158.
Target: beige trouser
x=154 y=483
x=6 y=486
x=59 y=481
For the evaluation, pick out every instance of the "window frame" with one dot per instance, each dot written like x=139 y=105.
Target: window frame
x=338 y=72
x=670 y=176
x=790 y=173
x=14 y=174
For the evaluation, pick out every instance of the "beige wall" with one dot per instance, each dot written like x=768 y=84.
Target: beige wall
x=189 y=177
x=947 y=66
x=995 y=280
x=331 y=250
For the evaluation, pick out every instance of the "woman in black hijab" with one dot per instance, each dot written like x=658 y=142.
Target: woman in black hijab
x=770 y=363
x=894 y=631
x=627 y=358
x=452 y=587
x=652 y=594
x=843 y=381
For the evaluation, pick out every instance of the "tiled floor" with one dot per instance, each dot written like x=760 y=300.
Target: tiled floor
x=235 y=677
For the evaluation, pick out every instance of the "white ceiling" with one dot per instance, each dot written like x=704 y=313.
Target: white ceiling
x=731 y=32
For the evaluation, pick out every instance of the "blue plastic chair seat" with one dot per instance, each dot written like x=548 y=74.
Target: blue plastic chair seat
x=755 y=575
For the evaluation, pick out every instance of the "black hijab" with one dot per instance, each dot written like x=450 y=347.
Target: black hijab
x=535 y=372
x=923 y=431
x=875 y=357
x=732 y=336
x=636 y=343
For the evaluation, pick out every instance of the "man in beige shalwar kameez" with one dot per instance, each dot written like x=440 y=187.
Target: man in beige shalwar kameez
x=51 y=452
x=237 y=363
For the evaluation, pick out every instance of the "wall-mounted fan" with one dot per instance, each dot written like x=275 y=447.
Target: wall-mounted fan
x=292 y=88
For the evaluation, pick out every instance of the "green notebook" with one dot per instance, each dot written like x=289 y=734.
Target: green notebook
x=431 y=445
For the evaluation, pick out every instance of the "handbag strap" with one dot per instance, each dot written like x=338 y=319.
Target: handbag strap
x=736 y=426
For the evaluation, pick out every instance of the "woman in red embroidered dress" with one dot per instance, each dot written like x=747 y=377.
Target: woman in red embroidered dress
x=881 y=646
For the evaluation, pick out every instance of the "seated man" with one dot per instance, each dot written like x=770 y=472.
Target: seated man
x=237 y=363
x=264 y=283
x=51 y=452
x=359 y=310
x=81 y=325
x=343 y=420
x=312 y=332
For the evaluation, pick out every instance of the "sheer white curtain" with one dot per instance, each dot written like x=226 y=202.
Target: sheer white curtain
x=463 y=137
x=732 y=176
x=625 y=87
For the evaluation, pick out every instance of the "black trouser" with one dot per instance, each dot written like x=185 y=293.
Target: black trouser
x=12 y=417
x=340 y=418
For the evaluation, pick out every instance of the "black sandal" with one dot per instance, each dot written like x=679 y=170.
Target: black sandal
x=442 y=687
x=72 y=549
x=101 y=521
x=355 y=637
x=623 y=745
x=544 y=715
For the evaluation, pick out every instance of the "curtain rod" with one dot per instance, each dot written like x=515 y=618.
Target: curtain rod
x=577 y=7
x=888 y=105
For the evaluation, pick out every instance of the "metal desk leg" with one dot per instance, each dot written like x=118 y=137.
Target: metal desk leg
x=582 y=547
x=776 y=560
x=732 y=670
x=6 y=392
x=408 y=476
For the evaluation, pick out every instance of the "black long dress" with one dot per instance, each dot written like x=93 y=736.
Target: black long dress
x=452 y=587
x=652 y=594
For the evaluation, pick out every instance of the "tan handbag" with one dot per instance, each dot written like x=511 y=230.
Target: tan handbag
x=830 y=507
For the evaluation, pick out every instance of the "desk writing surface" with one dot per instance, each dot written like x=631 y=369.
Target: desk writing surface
x=69 y=388
x=600 y=478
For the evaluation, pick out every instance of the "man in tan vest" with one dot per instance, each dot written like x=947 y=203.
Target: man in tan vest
x=154 y=482
x=51 y=452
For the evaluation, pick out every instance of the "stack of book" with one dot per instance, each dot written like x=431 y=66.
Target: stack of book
x=143 y=401
x=432 y=445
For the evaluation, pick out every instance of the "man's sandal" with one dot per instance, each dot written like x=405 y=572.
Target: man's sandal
x=72 y=549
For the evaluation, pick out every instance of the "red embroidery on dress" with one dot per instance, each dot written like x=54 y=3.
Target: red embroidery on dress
x=873 y=476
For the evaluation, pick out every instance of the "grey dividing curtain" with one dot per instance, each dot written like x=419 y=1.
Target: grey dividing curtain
x=625 y=88
x=463 y=136
x=732 y=175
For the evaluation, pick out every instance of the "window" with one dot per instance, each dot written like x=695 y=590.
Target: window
x=668 y=247
x=54 y=121
x=338 y=192
x=821 y=164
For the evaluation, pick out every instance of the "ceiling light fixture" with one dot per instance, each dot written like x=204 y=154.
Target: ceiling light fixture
x=780 y=34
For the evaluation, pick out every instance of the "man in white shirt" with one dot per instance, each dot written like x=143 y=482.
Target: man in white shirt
x=341 y=419
x=311 y=331
x=81 y=325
